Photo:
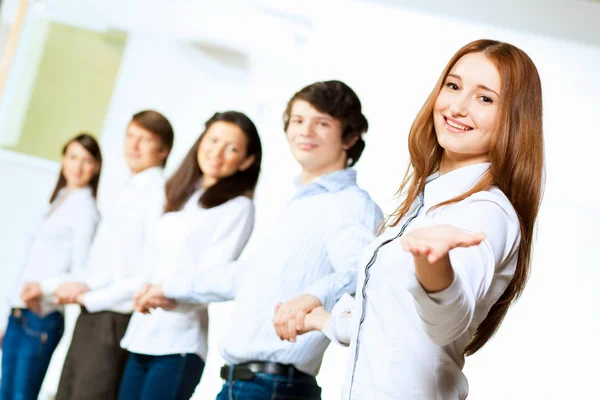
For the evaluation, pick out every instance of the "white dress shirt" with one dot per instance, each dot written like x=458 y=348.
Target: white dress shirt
x=188 y=240
x=59 y=246
x=119 y=263
x=314 y=248
x=406 y=343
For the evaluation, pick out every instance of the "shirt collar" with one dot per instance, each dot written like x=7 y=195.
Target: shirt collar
x=142 y=178
x=452 y=184
x=331 y=182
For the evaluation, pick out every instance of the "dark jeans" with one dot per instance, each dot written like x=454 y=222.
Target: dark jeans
x=268 y=386
x=170 y=377
x=27 y=348
x=95 y=360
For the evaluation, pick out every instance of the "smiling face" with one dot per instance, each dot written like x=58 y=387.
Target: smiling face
x=315 y=139
x=222 y=152
x=143 y=149
x=78 y=166
x=465 y=110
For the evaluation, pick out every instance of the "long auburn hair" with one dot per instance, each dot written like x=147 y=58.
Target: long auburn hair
x=182 y=184
x=516 y=160
x=91 y=145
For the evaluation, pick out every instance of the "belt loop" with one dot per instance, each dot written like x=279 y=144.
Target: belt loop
x=290 y=375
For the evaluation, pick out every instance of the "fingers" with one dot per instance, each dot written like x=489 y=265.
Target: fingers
x=300 y=320
x=140 y=292
x=291 y=328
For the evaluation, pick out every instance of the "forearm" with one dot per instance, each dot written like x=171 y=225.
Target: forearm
x=436 y=276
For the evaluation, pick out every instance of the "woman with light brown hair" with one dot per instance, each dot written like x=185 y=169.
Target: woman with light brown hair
x=437 y=283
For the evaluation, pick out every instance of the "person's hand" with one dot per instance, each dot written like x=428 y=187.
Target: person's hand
x=315 y=320
x=436 y=241
x=289 y=316
x=32 y=291
x=152 y=296
x=70 y=292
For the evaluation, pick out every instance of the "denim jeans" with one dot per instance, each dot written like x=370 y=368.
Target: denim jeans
x=27 y=348
x=268 y=387
x=170 y=377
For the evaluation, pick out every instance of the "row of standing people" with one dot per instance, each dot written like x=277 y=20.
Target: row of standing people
x=431 y=288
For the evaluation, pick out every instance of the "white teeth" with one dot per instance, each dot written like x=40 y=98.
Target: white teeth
x=457 y=126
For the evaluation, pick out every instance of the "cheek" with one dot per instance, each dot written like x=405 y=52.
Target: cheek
x=233 y=162
x=485 y=120
x=441 y=103
x=89 y=170
x=291 y=136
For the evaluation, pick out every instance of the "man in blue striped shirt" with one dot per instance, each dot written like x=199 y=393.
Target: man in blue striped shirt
x=308 y=259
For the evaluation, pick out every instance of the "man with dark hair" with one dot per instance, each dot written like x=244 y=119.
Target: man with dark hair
x=313 y=248
x=117 y=267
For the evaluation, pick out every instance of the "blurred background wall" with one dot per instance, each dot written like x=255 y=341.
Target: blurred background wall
x=89 y=65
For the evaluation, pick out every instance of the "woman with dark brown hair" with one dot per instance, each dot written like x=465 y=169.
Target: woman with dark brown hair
x=436 y=285
x=57 y=252
x=209 y=216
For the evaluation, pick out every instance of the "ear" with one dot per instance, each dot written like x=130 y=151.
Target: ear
x=164 y=153
x=247 y=163
x=348 y=143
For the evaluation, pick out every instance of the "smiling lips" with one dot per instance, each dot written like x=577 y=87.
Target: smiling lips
x=456 y=126
x=306 y=146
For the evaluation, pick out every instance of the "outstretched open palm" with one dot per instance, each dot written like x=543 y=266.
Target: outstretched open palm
x=434 y=242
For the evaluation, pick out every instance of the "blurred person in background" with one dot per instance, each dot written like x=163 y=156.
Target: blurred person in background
x=117 y=267
x=57 y=253
x=209 y=217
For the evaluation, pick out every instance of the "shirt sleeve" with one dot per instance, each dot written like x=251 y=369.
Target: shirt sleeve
x=121 y=290
x=353 y=230
x=84 y=229
x=447 y=314
x=339 y=327
x=218 y=276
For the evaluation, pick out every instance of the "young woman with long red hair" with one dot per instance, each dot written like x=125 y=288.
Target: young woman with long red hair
x=437 y=283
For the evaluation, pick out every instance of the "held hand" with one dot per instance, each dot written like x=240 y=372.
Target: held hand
x=153 y=297
x=289 y=317
x=68 y=292
x=32 y=291
x=436 y=241
x=315 y=320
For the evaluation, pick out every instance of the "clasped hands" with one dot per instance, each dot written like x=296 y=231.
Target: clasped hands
x=152 y=296
x=306 y=313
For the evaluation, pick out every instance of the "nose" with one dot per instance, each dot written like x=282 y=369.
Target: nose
x=306 y=129
x=134 y=143
x=459 y=106
x=218 y=152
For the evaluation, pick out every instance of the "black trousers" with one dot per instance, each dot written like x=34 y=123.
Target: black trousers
x=95 y=361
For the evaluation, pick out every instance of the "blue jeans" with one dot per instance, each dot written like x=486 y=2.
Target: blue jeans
x=268 y=386
x=28 y=345
x=170 y=377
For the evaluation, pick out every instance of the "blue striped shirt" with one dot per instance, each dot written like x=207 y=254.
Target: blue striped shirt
x=314 y=248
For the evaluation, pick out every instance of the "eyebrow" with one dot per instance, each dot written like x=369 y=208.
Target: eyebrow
x=325 y=118
x=479 y=85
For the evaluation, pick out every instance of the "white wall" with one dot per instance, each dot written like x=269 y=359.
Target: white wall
x=392 y=58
